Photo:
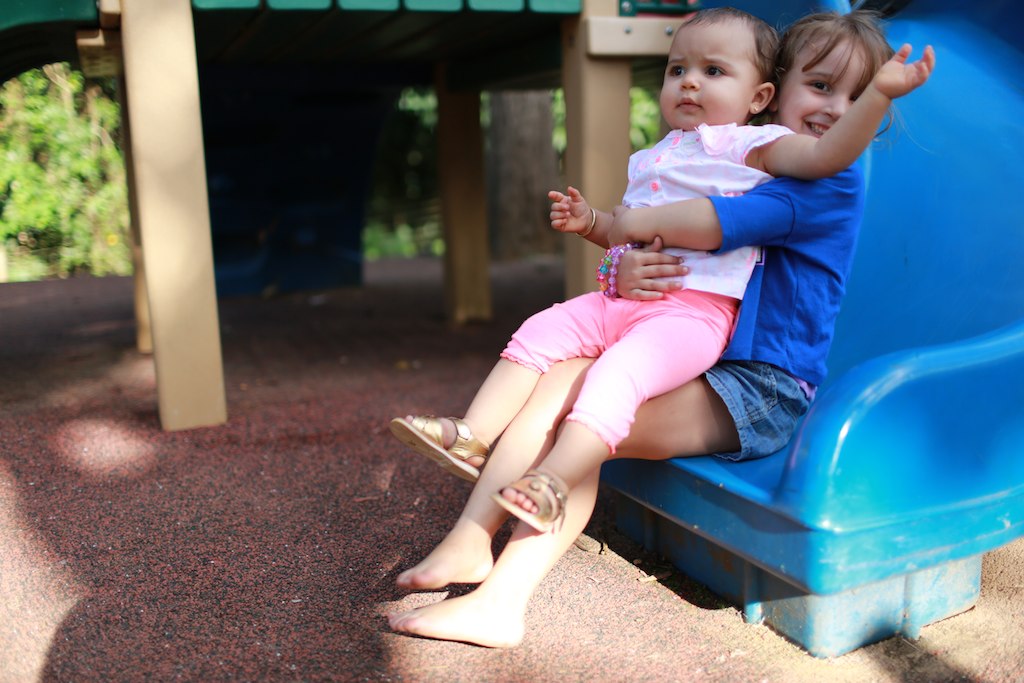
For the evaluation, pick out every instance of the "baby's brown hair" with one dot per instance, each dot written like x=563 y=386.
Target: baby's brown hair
x=766 y=38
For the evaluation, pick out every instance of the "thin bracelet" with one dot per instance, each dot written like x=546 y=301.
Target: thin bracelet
x=593 y=222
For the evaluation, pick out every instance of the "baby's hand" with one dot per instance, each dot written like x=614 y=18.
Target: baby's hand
x=896 y=78
x=569 y=212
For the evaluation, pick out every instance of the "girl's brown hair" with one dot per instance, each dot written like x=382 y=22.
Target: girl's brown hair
x=825 y=31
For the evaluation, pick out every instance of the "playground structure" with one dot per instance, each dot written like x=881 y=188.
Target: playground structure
x=908 y=468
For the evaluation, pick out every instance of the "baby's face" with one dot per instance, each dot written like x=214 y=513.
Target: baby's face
x=711 y=77
x=812 y=99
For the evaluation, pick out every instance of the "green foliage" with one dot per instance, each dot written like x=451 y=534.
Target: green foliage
x=558 y=137
x=644 y=118
x=63 y=197
x=403 y=219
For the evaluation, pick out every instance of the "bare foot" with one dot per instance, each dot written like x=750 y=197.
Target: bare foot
x=454 y=560
x=470 y=618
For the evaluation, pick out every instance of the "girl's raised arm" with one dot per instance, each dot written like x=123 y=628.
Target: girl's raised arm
x=809 y=158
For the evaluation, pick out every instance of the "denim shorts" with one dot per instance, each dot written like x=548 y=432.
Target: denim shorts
x=765 y=402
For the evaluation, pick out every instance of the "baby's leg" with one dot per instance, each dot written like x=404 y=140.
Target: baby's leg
x=667 y=347
x=499 y=399
x=464 y=556
x=496 y=403
x=572 y=329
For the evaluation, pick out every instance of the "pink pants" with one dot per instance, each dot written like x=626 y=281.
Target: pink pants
x=643 y=349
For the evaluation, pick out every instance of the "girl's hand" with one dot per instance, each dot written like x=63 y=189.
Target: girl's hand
x=896 y=78
x=639 y=267
x=569 y=212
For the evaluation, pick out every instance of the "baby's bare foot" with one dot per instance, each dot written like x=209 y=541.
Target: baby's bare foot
x=468 y=618
x=453 y=561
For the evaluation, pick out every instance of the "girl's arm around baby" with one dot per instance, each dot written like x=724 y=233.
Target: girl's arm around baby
x=691 y=224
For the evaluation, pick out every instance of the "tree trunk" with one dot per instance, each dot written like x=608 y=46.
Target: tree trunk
x=521 y=167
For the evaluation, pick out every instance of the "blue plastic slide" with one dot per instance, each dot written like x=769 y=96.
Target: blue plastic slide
x=910 y=464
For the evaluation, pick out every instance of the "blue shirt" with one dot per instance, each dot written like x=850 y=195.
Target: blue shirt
x=809 y=232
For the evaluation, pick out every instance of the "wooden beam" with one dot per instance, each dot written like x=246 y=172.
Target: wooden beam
x=597 y=132
x=463 y=204
x=173 y=210
x=143 y=324
x=110 y=13
x=99 y=52
x=629 y=36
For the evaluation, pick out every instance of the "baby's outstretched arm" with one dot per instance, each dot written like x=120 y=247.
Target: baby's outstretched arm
x=802 y=156
x=570 y=212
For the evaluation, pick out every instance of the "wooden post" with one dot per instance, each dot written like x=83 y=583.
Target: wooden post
x=169 y=192
x=463 y=204
x=143 y=324
x=597 y=133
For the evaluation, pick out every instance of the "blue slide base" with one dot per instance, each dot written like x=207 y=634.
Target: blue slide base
x=824 y=625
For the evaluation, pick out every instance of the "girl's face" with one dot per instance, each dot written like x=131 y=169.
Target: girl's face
x=811 y=101
x=711 y=77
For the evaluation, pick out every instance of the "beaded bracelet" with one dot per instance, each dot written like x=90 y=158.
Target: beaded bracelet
x=608 y=269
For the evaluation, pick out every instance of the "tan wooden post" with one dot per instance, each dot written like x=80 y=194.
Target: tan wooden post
x=597 y=51
x=169 y=192
x=143 y=323
x=99 y=53
x=597 y=133
x=463 y=204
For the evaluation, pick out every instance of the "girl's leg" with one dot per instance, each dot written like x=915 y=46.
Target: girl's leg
x=689 y=420
x=493 y=615
x=464 y=556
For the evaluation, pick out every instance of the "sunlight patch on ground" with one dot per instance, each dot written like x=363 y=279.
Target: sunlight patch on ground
x=103 y=447
x=959 y=639
x=37 y=591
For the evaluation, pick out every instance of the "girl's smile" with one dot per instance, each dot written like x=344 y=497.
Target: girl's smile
x=811 y=101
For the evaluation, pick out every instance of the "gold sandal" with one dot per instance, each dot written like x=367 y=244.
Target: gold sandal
x=425 y=435
x=547 y=491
